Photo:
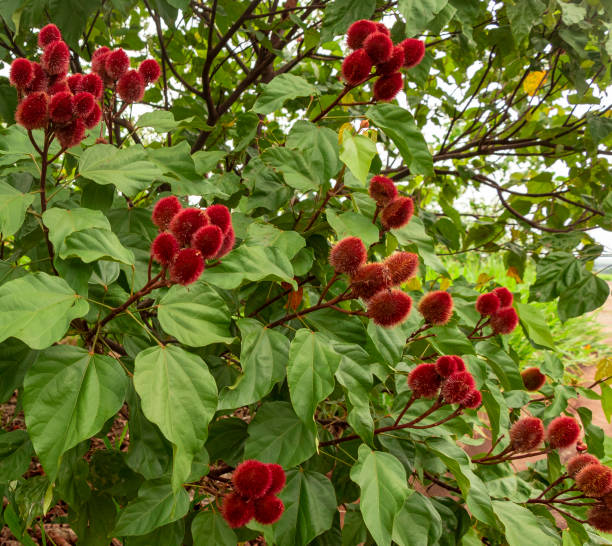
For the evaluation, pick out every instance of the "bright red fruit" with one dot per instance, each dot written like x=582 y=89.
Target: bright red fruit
x=505 y=296
x=387 y=87
x=83 y=104
x=21 y=73
x=356 y=67
x=600 y=517
x=236 y=510
x=208 y=240
x=228 y=243
x=504 y=321
x=381 y=27
x=578 y=462
x=49 y=33
x=98 y=61
x=71 y=134
x=473 y=400
x=402 y=266
x=269 y=509
x=378 y=46
x=56 y=58
x=562 y=432
x=164 y=248
x=526 y=434
x=93 y=118
x=32 y=112
x=594 y=480
x=459 y=363
x=533 y=379
x=397 y=213
x=131 y=86
x=389 y=308
x=149 y=70
x=278 y=478
x=60 y=85
x=457 y=387
x=40 y=80
x=165 y=209
x=116 y=63
x=348 y=255
x=186 y=222
x=395 y=62
x=60 y=107
x=187 y=266
x=370 y=279
x=75 y=83
x=446 y=365
x=382 y=190
x=414 y=51
x=92 y=83
x=252 y=479
x=220 y=216
x=424 y=381
x=358 y=32
x=436 y=307
x=487 y=304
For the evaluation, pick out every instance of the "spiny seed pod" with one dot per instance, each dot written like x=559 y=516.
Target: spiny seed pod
x=187 y=266
x=32 y=112
x=93 y=118
x=504 y=295
x=578 y=462
x=131 y=86
x=504 y=321
x=208 y=240
x=71 y=134
x=59 y=86
x=414 y=51
x=39 y=81
x=186 y=222
x=487 y=304
x=49 y=33
x=389 y=308
x=98 y=61
x=164 y=248
x=269 y=509
x=60 y=107
x=607 y=500
x=83 y=104
x=381 y=27
x=116 y=64
x=387 y=87
x=75 y=83
x=348 y=255
x=424 y=381
x=279 y=478
x=402 y=266
x=220 y=216
x=459 y=363
x=600 y=517
x=236 y=510
x=526 y=434
x=562 y=432
x=370 y=279
x=457 y=387
x=21 y=74
x=533 y=379
x=594 y=480
x=446 y=365
x=382 y=190
x=395 y=62
x=397 y=213
x=356 y=67
x=228 y=243
x=473 y=400
x=358 y=32
x=164 y=210
x=378 y=46
x=436 y=307
x=149 y=70
x=56 y=58
x=252 y=479
x=92 y=83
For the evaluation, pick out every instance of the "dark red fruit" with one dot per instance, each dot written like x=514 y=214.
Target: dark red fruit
x=60 y=107
x=578 y=462
x=526 y=434
x=278 y=478
x=382 y=190
x=220 y=216
x=92 y=83
x=505 y=296
x=252 y=479
x=149 y=70
x=268 y=509
x=208 y=240
x=378 y=46
x=487 y=304
x=186 y=222
x=387 y=87
x=71 y=134
x=600 y=517
x=446 y=365
x=358 y=32
x=116 y=63
x=397 y=213
x=414 y=51
x=457 y=387
x=402 y=266
x=49 y=33
x=533 y=379
x=424 y=381
x=562 y=432
x=187 y=266
x=83 y=104
x=394 y=63
x=228 y=243
x=356 y=67
x=93 y=118
x=98 y=61
x=348 y=255
x=436 y=307
x=473 y=400
x=594 y=480
x=370 y=279
x=236 y=510
x=32 y=112
x=131 y=86
x=56 y=58
x=389 y=308
x=75 y=83
x=504 y=321
x=164 y=248
x=21 y=74
x=165 y=209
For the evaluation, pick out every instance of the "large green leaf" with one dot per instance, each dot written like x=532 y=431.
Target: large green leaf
x=196 y=315
x=534 y=322
x=554 y=274
x=588 y=294
x=357 y=152
x=37 y=309
x=15 y=360
x=294 y=167
x=352 y=224
x=179 y=395
x=341 y=13
x=418 y=522
x=69 y=393
x=418 y=14
x=159 y=120
x=282 y=88
x=523 y=15
x=13 y=206
x=519 y=523
x=15 y=454
x=210 y=529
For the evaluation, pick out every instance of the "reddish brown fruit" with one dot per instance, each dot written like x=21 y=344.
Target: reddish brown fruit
x=397 y=213
x=220 y=216
x=60 y=107
x=21 y=73
x=378 y=46
x=389 y=308
x=236 y=510
x=55 y=59
x=348 y=255
x=358 y=32
x=40 y=80
x=279 y=478
x=600 y=517
x=504 y=295
x=504 y=321
x=149 y=70
x=402 y=266
x=92 y=83
x=562 y=432
x=370 y=279
x=208 y=240
x=436 y=307
x=473 y=400
x=459 y=363
x=187 y=266
x=83 y=104
x=186 y=222
x=594 y=480
x=394 y=63
x=414 y=51
x=387 y=87
x=487 y=304
x=71 y=134
x=381 y=27
x=356 y=67
x=58 y=86
x=382 y=190
x=116 y=64
x=269 y=509
x=32 y=112
x=228 y=243
x=446 y=365
x=49 y=33
x=526 y=434
x=75 y=83
x=98 y=61
x=533 y=379
x=165 y=209
x=164 y=248
x=131 y=86
x=424 y=381
x=252 y=479
x=93 y=118
x=457 y=387
x=578 y=462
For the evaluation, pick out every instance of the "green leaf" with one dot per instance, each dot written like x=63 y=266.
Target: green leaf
x=534 y=322
x=263 y=357
x=15 y=360
x=282 y=88
x=418 y=522
x=586 y=295
x=606 y=400
x=382 y=480
x=156 y=505
x=418 y=14
x=554 y=274
x=161 y=121
x=519 y=523
x=341 y=13
x=196 y=315
x=69 y=393
x=179 y=395
x=350 y=223
x=226 y=438
x=398 y=124
x=506 y=369
x=210 y=529
x=13 y=206
x=289 y=242
x=171 y=534
x=293 y=166
x=310 y=372
x=414 y=233
x=37 y=309
x=127 y=168
x=277 y=435
x=357 y=152
x=523 y=15
x=15 y=454
x=572 y=13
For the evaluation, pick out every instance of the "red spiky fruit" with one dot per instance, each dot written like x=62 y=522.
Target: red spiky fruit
x=389 y=308
x=446 y=365
x=526 y=434
x=378 y=46
x=504 y=321
x=459 y=363
x=228 y=243
x=348 y=255
x=382 y=190
x=208 y=240
x=75 y=83
x=252 y=479
x=164 y=248
x=93 y=118
x=402 y=266
x=387 y=87
x=60 y=85
x=395 y=62
x=56 y=58
x=578 y=462
x=607 y=500
x=116 y=64
x=397 y=213
x=473 y=400
x=594 y=480
x=487 y=304
x=236 y=510
x=562 y=432
x=381 y=27
x=98 y=61
x=600 y=517
x=358 y=32
x=131 y=86
x=533 y=379
x=83 y=104
x=370 y=279
x=504 y=295
x=424 y=381
x=149 y=70
x=39 y=81
x=356 y=67
x=457 y=387
x=268 y=509
x=278 y=480
x=187 y=266
x=165 y=210
x=92 y=83
x=220 y=216
x=186 y=222
x=71 y=134
x=33 y=111
x=21 y=73
x=49 y=33
x=414 y=51
x=60 y=107
x=436 y=307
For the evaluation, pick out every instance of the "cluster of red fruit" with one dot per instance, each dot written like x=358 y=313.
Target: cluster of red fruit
x=447 y=377
x=498 y=306
x=373 y=47
x=256 y=485
x=533 y=379
x=528 y=433
x=189 y=236
x=396 y=210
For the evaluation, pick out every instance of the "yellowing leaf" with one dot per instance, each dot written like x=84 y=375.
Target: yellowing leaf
x=483 y=279
x=345 y=126
x=604 y=368
x=347 y=99
x=413 y=284
x=444 y=283
x=533 y=82
x=513 y=272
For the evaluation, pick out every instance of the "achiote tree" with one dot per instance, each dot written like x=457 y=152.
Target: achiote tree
x=226 y=311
